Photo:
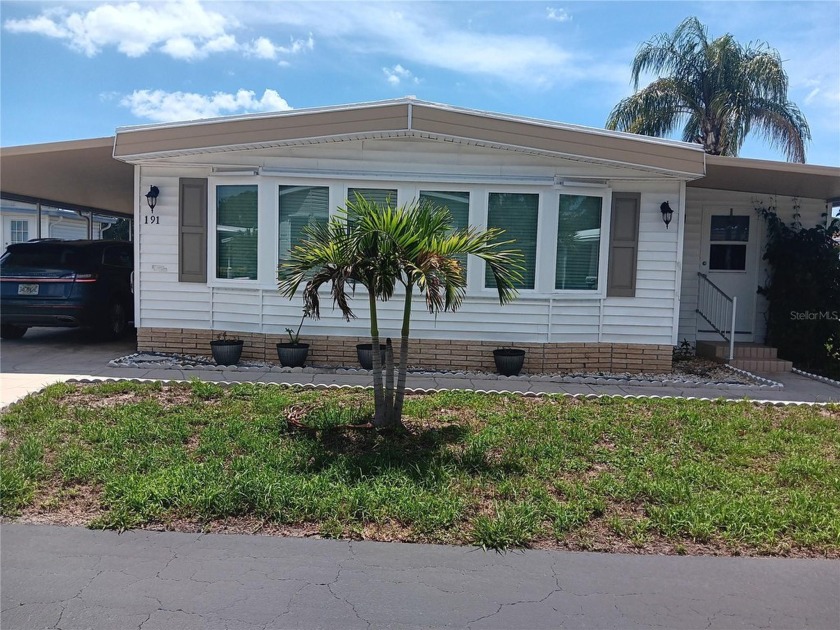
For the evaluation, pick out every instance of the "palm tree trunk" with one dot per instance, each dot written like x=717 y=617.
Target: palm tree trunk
x=379 y=415
x=406 y=327
x=389 y=382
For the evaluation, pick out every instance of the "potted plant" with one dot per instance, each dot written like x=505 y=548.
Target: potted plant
x=226 y=351
x=364 y=351
x=509 y=361
x=293 y=353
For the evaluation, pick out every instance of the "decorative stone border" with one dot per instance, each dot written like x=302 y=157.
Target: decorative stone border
x=420 y=390
x=197 y=363
x=816 y=377
x=764 y=382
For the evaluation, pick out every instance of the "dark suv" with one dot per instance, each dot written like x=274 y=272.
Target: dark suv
x=54 y=282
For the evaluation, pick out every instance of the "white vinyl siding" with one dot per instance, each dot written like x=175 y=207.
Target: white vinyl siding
x=542 y=314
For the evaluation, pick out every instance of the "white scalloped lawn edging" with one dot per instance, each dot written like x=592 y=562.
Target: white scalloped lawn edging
x=420 y=390
x=763 y=382
x=816 y=377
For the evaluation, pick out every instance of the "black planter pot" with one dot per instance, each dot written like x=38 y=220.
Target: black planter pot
x=509 y=361
x=365 y=353
x=292 y=354
x=226 y=351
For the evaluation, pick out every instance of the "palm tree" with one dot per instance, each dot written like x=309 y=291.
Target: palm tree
x=719 y=91
x=381 y=247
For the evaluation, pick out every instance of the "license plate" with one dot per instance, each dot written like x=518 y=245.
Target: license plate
x=28 y=289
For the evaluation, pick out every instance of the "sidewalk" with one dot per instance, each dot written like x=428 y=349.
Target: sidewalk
x=55 y=577
x=28 y=366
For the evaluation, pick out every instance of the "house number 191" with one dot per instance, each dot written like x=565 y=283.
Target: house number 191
x=152 y=220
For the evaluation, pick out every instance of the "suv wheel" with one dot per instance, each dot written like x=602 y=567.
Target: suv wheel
x=116 y=320
x=12 y=331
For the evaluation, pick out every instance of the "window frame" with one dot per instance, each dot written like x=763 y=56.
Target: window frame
x=277 y=185
x=212 y=209
x=268 y=217
x=603 y=247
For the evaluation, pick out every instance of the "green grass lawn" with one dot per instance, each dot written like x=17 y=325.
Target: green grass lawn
x=498 y=471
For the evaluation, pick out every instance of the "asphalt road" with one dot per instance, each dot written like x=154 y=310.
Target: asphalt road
x=55 y=577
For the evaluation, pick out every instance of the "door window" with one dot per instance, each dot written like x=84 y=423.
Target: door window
x=728 y=236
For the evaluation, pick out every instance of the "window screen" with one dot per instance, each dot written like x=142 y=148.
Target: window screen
x=236 y=232
x=300 y=206
x=458 y=204
x=578 y=243
x=382 y=196
x=516 y=214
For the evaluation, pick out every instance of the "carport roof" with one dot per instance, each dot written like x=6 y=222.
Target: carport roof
x=770 y=178
x=76 y=174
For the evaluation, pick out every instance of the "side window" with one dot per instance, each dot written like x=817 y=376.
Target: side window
x=236 y=232
x=118 y=257
x=300 y=206
x=578 y=243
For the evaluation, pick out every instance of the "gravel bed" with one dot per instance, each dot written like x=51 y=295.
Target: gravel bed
x=694 y=372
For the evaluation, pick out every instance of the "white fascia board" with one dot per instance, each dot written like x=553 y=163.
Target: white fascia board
x=150 y=158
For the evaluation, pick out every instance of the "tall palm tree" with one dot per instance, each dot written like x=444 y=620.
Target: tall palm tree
x=381 y=247
x=718 y=90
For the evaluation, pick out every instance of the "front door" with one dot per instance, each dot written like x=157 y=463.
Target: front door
x=729 y=257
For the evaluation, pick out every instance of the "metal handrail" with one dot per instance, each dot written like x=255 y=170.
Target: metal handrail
x=717 y=308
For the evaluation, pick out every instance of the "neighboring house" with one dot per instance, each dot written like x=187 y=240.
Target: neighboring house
x=607 y=285
x=19 y=223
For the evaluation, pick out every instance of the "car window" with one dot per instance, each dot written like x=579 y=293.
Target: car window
x=44 y=258
x=118 y=257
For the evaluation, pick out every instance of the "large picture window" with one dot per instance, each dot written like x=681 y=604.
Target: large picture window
x=516 y=214
x=236 y=232
x=300 y=206
x=578 y=243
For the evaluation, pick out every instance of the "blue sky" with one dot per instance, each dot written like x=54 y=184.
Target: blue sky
x=80 y=69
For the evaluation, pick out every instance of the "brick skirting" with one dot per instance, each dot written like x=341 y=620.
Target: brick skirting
x=433 y=354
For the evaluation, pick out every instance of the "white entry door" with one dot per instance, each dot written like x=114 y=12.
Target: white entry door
x=729 y=256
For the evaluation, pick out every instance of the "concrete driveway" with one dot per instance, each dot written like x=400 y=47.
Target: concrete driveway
x=49 y=355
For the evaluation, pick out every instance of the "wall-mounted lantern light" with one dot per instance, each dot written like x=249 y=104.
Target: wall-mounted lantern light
x=151 y=197
x=667 y=213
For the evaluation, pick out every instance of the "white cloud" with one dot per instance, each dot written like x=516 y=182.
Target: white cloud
x=183 y=30
x=557 y=15
x=424 y=33
x=398 y=74
x=264 y=48
x=161 y=106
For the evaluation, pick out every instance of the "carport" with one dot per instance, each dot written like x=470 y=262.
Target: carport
x=79 y=175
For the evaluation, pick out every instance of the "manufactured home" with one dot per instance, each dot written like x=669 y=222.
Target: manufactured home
x=631 y=244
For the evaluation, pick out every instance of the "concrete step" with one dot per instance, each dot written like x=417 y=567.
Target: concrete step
x=719 y=351
x=762 y=365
